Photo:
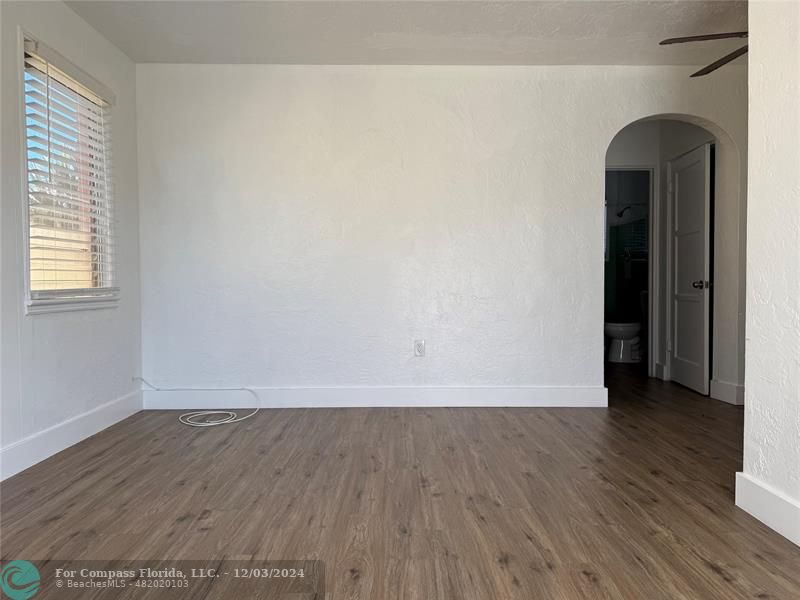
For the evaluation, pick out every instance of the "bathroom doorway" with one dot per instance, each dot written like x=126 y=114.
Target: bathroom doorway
x=691 y=327
x=628 y=203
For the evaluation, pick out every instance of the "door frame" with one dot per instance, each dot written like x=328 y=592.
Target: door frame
x=654 y=311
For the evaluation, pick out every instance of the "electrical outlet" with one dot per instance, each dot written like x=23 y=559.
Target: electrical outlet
x=419 y=347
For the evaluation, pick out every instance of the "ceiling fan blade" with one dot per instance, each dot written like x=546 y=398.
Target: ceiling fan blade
x=722 y=61
x=704 y=38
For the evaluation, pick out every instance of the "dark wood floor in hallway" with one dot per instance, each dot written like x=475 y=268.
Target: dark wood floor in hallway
x=630 y=502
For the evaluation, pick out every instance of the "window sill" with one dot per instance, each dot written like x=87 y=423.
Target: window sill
x=55 y=305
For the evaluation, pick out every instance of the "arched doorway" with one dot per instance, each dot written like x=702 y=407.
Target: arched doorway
x=643 y=254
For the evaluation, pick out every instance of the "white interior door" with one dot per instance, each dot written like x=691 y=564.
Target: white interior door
x=690 y=203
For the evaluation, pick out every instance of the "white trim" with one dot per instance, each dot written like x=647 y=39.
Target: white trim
x=661 y=372
x=23 y=162
x=654 y=270
x=349 y=397
x=667 y=229
x=770 y=506
x=43 y=444
x=51 y=305
x=732 y=393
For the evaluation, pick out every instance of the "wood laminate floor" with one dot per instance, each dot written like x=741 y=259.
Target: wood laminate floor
x=634 y=501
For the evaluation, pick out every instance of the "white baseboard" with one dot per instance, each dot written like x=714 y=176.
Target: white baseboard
x=770 y=506
x=732 y=393
x=350 y=397
x=28 y=451
x=661 y=371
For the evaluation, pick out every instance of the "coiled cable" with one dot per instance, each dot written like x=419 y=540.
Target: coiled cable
x=208 y=418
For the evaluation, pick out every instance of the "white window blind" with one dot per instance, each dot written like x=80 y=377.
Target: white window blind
x=70 y=209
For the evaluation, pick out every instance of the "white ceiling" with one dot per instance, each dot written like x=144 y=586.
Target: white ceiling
x=416 y=32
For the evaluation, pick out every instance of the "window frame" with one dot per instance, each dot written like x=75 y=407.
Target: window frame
x=48 y=301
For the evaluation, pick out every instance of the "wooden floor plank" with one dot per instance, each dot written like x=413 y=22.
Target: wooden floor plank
x=633 y=501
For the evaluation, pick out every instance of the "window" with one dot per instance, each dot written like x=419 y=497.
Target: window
x=70 y=210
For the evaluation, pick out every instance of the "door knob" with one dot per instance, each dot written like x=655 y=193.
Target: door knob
x=699 y=284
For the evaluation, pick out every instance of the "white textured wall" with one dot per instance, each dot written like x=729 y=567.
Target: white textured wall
x=302 y=225
x=637 y=145
x=60 y=371
x=772 y=418
x=678 y=138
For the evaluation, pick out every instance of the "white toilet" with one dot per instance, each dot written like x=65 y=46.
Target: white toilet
x=624 y=346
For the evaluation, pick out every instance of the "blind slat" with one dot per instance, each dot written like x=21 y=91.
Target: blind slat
x=67 y=252
x=63 y=235
x=37 y=132
x=54 y=241
x=82 y=215
x=42 y=198
x=35 y=81
x=69 y=167
x=36 y=111
x=44 y=145
x=60 y=93
x=69 y=116
x=57 y=173
x=70 y=268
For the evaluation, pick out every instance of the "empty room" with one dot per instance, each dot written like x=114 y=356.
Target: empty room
x=458 y=300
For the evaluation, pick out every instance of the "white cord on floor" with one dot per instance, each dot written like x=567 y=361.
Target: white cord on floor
x=200 y=418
